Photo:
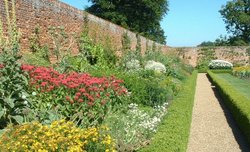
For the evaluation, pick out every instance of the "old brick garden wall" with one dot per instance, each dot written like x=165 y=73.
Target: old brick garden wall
x=46 y=13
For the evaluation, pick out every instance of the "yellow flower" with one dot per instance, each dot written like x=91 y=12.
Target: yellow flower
x=59 y=136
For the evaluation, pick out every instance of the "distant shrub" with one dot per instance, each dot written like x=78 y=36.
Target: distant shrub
x=156 y=66
x=220 y=64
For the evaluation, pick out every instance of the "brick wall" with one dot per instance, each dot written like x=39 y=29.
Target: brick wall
x=233 y=54
x=45 y=13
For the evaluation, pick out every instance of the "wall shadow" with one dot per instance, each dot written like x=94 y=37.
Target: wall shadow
x=240 y=138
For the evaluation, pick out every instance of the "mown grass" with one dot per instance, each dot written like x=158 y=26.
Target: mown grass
x=173 y=133
x=234 y=94
x=240 y=85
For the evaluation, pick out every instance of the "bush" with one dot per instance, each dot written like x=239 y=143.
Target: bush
x=238 y=104
x=133 y=65
x=156 y=66
x=220 y=64
x=173 y=132
x=59 y=136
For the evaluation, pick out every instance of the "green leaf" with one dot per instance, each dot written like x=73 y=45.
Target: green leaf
x=1 y=114
x=10 y=102
x=18 y=118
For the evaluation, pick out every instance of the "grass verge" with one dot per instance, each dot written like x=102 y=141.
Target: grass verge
x=235 y=99
x=172 y=135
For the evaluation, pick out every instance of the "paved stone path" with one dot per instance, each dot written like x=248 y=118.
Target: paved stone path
x=212 y=128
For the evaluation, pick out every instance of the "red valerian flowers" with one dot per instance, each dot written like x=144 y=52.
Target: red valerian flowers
x=78 y=87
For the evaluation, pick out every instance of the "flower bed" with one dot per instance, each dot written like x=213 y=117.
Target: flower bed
x=72 y=93
x=59 y=136
x=242 y=72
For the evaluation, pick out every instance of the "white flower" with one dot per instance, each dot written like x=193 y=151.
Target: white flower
x=156 y=66
x=220 y=64
x=34 y=93
x=133 y=64
x=23 y=97
x=25 y=102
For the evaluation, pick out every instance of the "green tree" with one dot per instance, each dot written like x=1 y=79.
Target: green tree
x=236 y=14
x=141 y=16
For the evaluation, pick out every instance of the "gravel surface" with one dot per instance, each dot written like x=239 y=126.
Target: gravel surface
x=212 y=128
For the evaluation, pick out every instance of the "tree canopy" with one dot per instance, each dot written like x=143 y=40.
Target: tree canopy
x=236 y=15
x=141 y=16
x=225 y=41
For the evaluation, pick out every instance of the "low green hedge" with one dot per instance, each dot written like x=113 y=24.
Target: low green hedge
x=237 y=103
x=173 y=133
x=222 y=71
x=204 y=70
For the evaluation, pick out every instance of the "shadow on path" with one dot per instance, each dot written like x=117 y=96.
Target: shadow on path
x=241 y=140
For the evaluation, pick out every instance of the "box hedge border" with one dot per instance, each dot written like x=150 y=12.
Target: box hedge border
x=173 y=133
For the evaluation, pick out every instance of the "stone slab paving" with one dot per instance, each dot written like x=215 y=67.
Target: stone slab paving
x=212 y=128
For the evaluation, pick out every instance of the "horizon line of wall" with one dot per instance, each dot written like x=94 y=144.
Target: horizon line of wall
x=45 y=13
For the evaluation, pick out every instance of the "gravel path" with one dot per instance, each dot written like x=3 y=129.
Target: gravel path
x=212 y=128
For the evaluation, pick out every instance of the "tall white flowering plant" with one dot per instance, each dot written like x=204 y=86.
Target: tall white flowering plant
x=133 y=128
x=220 y=64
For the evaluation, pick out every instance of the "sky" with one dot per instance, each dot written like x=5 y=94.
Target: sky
x=188 y=22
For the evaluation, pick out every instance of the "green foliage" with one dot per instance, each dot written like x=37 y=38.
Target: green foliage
x=139 y=16
x=221 y=41
x=60 y=39
x=248 y=51
x=235 y=94
x=134 y=125
x=225 y=41
x=206 y=43
x=39 y=52
x=173 y=64
x=173 y=133
x=138 y=46
x=222 y=71
x=126 y=43
x=34 y=40
x=1 y=34
x=96 y=54
x=236 y=15
x=109 y=53
x=13 y=81
x=148 y=88
x=206 y=54
x=36 y=58
x=58 y=136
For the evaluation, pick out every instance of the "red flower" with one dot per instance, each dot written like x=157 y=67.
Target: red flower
x=67 y=98
x=78 y=94
x=103 y=102
x=80 y=100
x=82 y=90
x=76 y=98
x=43 y=84
x=90 y=103
x=98 y=95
